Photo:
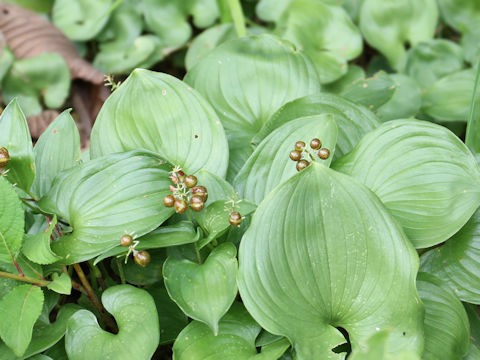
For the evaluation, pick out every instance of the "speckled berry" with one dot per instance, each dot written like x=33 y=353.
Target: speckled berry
x=4 y=157
x=197 y=203
x=324 y=153
x=126 y=240
x=235 y=218
x=315 y=144
x=295 y=155
x=180 y=206
x=169 y=200
x=142 y=258
x=299 y=145
x=201 y=191
x=302 y=164
x=190 y=181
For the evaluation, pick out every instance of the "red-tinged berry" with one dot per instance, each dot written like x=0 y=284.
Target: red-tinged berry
x=315 y=144
x=172 y=188
x=4 y=157
x=235 y=218
x=180 y=206
x=302 y=164
x=190 y=181
x=299 y=145
x=142 y=258
x=180 y=173
x=201 y=191
x=173 y=179
x=324 y=153
x=295 y=155
x=169 y=200
x=197 y=203
x=126 y=240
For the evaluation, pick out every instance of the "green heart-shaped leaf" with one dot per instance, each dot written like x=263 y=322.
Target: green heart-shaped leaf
x=225 y=77
x=60 y=138
x=15 y=137
x=204 y=292
x=431 y=60
x=423 y=173
x=270 y=164
x=447 y=332
x=326 y=34
x=61 y=284
x=81 y=19
x=42 y=78
x=457 y=263
x=36 y=247
x=158 y=112
x=138 y=335
x=461 y=15
x=449 y=98
x=388 y=24
x=19 y=310
x=322 y=252
x=105 y=198
x=353 y=121
x=12 y=222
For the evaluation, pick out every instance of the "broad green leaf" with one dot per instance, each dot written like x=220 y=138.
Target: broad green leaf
x=169 y=20
x=323 y=252
x=472 y=135
x=405 y=102
x=40 y=79
x=217 y=187
x=425 y=176
x=15 y=137
x=36 y=5
x=460 y=14
x=19 y=310
x=58 y=148
x=214 y=219
x=225 y=77
x=143 y=276
x=449 y=98
x=376 y=348
x=138 y=335
x=158 y=112
x=474 y=320
x=204 y=292
x=388 y=24
x=431 y=60
x=447 y=332
x=473 y=353
x=28 y=269
x=457 y=262
x=45 y=334
x=57 y=351
x=372 y=92
x=142 y=52
x=235 y=340
x=106 y=198
x=6 y=61
x=469 y=44
x=353 y=74
x=61 y=284
x=36 y=247
x=271 y=10
x=171 y=317
x=81 y=19
x=172 y=235
x=12 y=222
x=270 y=164
x=324 y=32
x=353 y=121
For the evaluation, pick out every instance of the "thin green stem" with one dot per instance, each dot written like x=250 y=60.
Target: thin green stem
x=197 y=251
x=238 y=17
x=120 y=271
x=224 y=9
x=26 y=279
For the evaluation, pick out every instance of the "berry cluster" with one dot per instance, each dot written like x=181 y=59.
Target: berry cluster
x=300 y=152
x=186 y=192
x=141 y=257
x=4 y=157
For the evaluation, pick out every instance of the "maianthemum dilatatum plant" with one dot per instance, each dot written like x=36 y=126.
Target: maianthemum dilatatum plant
x=242 y=213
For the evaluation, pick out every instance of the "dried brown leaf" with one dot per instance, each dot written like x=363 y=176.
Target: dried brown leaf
x=29 y=34
x=38 y=123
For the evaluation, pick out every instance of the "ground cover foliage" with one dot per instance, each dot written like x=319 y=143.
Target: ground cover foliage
x=294 y=179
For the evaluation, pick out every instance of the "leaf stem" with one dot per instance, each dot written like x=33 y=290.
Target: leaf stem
x=24 y=278
x=20 y=272
x=197 y=251
x=120 y=271
x=238 y=17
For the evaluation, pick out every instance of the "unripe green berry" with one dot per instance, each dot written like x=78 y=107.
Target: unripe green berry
x=295 y=155
x=299 y=145
x=315 y=144
x=190 y=181
x=142 y=258
x=169 y=200
x=180 y=206
x=201 y=191
x=235 y=218
x=302 y=164
x=126 y=240
x=197 y=203
x=4 y=157
x=324 y=153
